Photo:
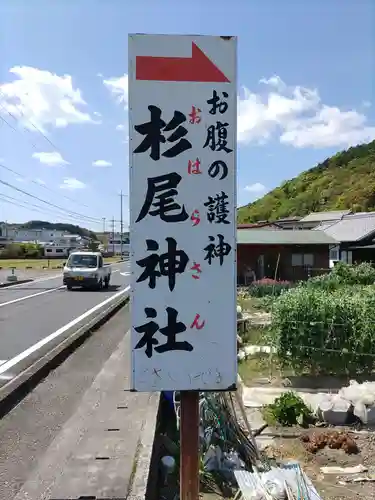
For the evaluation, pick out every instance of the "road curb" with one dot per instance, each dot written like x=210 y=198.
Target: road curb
x=12 y=283
x=140 y=483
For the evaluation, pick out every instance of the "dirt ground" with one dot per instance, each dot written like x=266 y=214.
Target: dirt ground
x=290 y=446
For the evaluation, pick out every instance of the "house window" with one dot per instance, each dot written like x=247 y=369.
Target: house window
x=334 y=254
x=302 y=259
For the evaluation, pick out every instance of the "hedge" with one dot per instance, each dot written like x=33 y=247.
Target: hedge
x=343 y=274
x=326 y=332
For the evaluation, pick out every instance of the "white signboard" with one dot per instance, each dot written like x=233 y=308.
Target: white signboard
x=182 y=122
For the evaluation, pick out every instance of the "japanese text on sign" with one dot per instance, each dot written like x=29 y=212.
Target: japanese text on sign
x=183 y=225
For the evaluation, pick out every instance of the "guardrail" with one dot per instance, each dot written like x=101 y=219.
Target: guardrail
x=22 y=367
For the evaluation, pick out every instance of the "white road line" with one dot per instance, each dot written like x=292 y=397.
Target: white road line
x=127 y=273
x=10 y=363
x=20 y=299
x=2 y=361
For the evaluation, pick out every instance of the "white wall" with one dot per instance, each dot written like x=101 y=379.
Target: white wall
x=51 y=251
x=116 y=248
x=31 y=235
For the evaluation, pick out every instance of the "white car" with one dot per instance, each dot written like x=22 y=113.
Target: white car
x=86 y=270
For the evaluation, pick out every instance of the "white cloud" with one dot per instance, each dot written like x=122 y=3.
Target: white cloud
x=72 y=183
x=297 y=116
x=118 y=86
x=274 y=81
x=44 y=99
x=329 y=127
x=120 y=127
x=40 y=181
x=101 y=163
x=255 y=188
x=294 y=115
x=53 y=159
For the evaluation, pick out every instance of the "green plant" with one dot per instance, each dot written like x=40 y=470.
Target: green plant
x=325 y=332
x=342 y=275
x=344 y=181
x=268 y=287
x=93 y=246
x=22 y=251
x=287 y=410
x=265 y=303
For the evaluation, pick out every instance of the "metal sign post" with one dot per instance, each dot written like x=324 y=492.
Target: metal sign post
x=182 y=123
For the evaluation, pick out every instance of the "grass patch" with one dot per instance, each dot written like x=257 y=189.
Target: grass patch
x=40 y=263
x=262 y=365
x=256 y=334
x=253 y=304
x=259 y=366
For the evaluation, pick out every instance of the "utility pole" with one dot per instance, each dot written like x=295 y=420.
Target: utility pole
x=103 y=226
x=121 y=223
x=113 y=235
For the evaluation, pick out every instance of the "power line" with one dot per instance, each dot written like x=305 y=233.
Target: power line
x=27 y=205
x=11 y=126
x=19 y=204
x=41 y=185
x=28 y=120
x=81 y=216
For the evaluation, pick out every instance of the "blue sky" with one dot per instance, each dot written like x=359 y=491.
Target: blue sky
x=305 y=91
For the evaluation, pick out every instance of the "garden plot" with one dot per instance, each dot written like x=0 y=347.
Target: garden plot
x=320 y=336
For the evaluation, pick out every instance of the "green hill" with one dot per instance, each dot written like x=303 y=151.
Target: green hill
x=344 y=181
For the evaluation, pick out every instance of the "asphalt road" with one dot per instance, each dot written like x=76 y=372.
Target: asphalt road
x=29 y=430
x=30 y=312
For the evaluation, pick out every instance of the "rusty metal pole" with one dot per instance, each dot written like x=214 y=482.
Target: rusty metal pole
x=189 y=445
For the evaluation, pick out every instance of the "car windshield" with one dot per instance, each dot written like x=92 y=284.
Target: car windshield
x=83 y=261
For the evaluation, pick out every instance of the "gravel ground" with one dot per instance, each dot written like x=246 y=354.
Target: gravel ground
x=290 y=446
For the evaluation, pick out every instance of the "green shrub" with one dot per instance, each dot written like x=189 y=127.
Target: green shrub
x=343 y=274
x=268 y=286
x=325 y=332
x=287 y=410
x=22 y=251
x=12 y=251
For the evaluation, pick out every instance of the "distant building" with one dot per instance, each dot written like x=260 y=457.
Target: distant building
x=289 y=222
x=113 y=245
x=314 y=219
x=55 y=243
x=259 y=225
x=33 y=235
x=355 y=236
x=284 y=255
x=63 y=246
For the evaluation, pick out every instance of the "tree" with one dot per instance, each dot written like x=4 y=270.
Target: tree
x=346 y=181
x=93 y=246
